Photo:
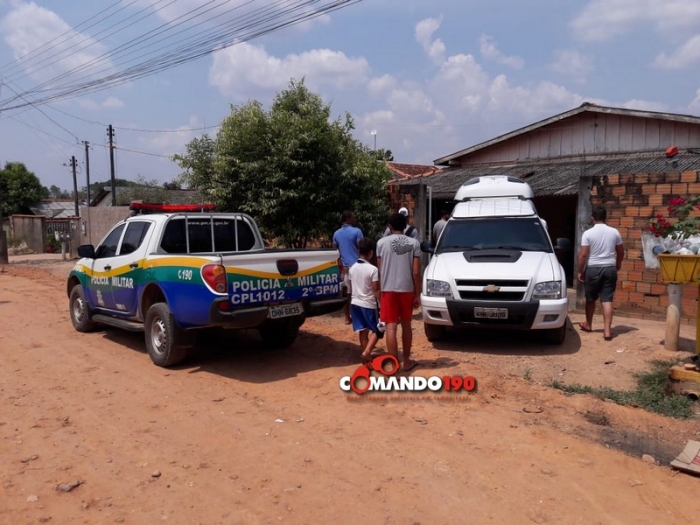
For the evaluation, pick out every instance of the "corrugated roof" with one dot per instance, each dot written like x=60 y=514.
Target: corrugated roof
x=54 y=209
x=554 y=177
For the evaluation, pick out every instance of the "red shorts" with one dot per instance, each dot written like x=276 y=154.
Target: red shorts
x=396 y=306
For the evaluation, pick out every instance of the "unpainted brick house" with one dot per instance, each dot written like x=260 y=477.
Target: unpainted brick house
x=574 y=160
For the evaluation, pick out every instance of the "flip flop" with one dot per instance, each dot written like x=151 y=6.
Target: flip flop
x=412 y=367
x=584 y=328
x=609 y=338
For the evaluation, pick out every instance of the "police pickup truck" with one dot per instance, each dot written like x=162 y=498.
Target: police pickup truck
x=171 y=274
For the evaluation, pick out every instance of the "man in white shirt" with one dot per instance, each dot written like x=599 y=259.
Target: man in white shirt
x=440 y=225
x=599 y=260
x=409 y=230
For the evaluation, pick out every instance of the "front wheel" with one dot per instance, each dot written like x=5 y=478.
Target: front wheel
x=80 y=310
x=555 y=336
x=433 y=332
x=164 y=338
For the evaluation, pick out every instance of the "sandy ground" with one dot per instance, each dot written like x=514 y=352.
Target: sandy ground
x=242 y=435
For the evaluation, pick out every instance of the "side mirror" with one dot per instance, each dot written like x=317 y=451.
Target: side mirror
x=562 y=245
x=87 y=251
x=427 y=247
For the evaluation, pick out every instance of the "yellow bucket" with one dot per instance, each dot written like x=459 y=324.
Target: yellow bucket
x=679 y=269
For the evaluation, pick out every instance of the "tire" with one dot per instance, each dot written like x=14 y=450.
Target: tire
x=555 y=336
x=279 y=334
x=165 y=340
x=79 y=309
x=433 y=332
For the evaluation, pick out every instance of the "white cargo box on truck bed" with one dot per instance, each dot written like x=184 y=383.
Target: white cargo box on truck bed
x=494 y=186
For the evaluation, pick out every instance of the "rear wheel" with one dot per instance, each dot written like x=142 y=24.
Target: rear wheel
x=555 y=336
x=164 y=338
x=433 y=332
x=80 y=310
x=279 y=334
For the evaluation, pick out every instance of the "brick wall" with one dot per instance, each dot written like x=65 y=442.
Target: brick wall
x=631 y=200
x=399 y=199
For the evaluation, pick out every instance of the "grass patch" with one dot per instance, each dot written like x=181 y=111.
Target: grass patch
x=650 y=393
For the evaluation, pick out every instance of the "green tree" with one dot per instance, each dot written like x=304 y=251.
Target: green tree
x=198 y=162
x=384 y=154
x=292 y=168
x=19 y=188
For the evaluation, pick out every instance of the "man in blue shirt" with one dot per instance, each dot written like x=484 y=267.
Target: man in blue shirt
x=346 y=240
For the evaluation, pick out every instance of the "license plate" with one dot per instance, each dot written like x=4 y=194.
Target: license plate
x=490 y=313
x=286 y=310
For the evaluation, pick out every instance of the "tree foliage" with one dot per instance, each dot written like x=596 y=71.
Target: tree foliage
x=292 y=168
x=19 y=188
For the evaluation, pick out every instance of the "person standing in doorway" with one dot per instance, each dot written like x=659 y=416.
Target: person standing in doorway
x=346 y=240
x=440 y=225
x=398 y=259
x=599 y=260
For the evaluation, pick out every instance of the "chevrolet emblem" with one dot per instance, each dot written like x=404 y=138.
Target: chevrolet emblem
x=491 y=288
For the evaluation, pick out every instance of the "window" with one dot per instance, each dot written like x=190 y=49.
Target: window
x=200 y=235
x=225 y=231
x=174 y=240
x=525 y=234
x=108 y=248
x=135 y=233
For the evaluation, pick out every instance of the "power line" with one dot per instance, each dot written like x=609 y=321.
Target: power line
x=178 y=48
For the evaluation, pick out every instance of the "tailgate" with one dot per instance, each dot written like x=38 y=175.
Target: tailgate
x=269 y=277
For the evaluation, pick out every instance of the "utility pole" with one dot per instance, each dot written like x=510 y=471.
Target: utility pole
x=110 y=132
x=87 y=169
x=73 y=164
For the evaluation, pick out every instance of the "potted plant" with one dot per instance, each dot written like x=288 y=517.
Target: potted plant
x=676 y=239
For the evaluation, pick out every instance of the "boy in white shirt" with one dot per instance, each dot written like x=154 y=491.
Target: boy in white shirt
x=363 y=279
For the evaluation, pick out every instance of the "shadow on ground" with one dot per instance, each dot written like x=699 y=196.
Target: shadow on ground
x=505 y=342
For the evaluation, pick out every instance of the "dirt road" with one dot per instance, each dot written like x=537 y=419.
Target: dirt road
x=240 y=434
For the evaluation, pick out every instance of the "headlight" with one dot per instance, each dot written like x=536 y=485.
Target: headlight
x=438 y=289
x=548 y=290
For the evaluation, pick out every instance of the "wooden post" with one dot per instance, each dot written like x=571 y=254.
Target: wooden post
x=583 y=217
x=673 y=316
x=697 y=324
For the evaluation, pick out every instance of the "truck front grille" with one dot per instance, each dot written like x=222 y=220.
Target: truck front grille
x=491 y=296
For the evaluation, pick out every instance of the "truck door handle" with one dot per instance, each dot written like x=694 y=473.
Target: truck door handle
x=108 y=267
x=134 y=265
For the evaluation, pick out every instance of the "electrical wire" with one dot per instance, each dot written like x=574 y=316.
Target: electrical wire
x=176 y=51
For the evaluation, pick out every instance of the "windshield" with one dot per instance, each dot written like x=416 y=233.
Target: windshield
x=525 y=234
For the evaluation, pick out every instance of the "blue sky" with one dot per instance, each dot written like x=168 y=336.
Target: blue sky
x=430 y=78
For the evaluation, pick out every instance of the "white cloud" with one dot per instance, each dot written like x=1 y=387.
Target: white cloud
x=603 y=20
x=91 y=105
x=378 y=85
x=243 y=69
x=435 y=49
x=685 y=56
x=572 y=63
x=210 y=14
x=174 y=141
x=695 y=104
x=490 y=51
x=28 y=27
x=113 y=103
x=644 y=105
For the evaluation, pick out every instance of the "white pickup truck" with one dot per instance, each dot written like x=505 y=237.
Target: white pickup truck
x=170 y=275
x=494 y=265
